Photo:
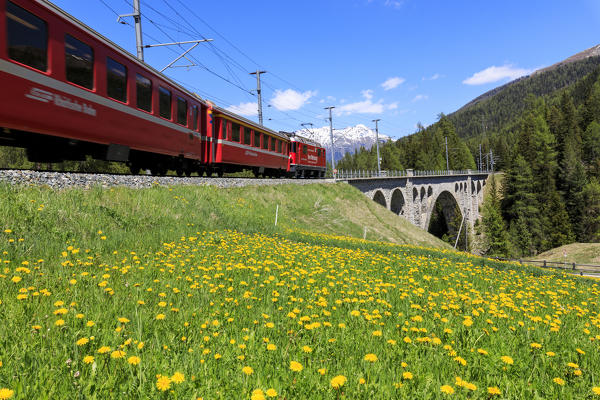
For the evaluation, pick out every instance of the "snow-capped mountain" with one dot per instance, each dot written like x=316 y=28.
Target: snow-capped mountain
x=344 y=140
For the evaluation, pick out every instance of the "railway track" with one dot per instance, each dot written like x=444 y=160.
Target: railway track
x=63 y=180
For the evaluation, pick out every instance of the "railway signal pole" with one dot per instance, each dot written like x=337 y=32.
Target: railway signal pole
x=331 y=136
x=257 y=73
x=377 y=143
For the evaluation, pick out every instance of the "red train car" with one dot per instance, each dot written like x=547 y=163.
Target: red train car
x=69 y=93
x=239 y=144
x=307 y=158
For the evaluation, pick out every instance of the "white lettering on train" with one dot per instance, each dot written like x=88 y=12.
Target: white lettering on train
x=61 y=101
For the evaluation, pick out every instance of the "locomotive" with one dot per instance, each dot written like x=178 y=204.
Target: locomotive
x=68 y=93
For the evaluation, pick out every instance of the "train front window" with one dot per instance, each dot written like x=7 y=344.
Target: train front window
x=143 y=87
x=116 y=80
x=164 y=103
x=79 y=60
x=182 y=111
x=27 y=37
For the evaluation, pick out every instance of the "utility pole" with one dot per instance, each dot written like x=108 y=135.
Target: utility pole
x=137 y=18
x=377 y=142
x=257 y=73
x=492 y=159
x=480 y=160
x=447 y=164
x=331 y=136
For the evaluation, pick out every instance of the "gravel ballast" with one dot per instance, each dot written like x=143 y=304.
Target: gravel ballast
x=63 y=180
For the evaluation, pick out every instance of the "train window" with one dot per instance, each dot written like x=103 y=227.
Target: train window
x=247 y=136
x=164 y=103
x=278 y=146
x=318 y=152
x=27 y=37
x=271 y=143
x=224 y=129
x=293 y=147
x=304 y=149
x=265 y=142
x=182 y=111
x=256 y=139
x=195 y=118
x=79 y=62
x=116 y=80
x=235 y=132
x=143 y=87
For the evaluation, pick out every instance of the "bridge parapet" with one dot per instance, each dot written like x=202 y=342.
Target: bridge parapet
x=344 y=175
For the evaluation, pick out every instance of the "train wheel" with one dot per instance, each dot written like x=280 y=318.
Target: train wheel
x=179 y=171
x=188 y=172
x=255 y=172
x=209 y=172
x=220 y=173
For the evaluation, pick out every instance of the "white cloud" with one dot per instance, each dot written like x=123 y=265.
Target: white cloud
x=420 y=97
x=290 y=99
x=245 y=109
x=495 y=74
x=367 y=94
x=367 y=106
x=394 y=3
x=392 y=83
x=432 y=77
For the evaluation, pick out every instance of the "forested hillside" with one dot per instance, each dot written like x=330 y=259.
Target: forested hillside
x=499 y=107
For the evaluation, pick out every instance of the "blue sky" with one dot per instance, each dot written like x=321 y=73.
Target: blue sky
x=401 y=61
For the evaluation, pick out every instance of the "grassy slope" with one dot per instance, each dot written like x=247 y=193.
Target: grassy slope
x=144 y=218
x=580 y=253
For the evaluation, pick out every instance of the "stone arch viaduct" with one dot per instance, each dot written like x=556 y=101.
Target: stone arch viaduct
x=415 y=195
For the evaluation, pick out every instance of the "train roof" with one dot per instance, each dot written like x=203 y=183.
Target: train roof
x=297 y=138
x=57 y=10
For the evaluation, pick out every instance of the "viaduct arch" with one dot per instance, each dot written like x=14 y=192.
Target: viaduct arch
x=415 y=196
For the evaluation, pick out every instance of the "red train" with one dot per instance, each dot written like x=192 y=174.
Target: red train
x=68 y=92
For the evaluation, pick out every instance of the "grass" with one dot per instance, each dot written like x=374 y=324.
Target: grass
x=152 y=294
x=579 y=253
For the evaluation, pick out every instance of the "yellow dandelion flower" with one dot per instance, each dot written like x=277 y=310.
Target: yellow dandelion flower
x=296 y=366
x=407 y=375
x=117 y=354
x=322 y=371
x=247 y=370
x=338 y=381
x=535 y=345
x=596 y=390
x=82 y=341
x=559 y=381
x=370 y=357
x=270 y=347
x=163 y=383
x=134 y=360
x=178 y=378
x=493 y=390
x=88 y=359
x=447 y=389
x=160 y=316
x=6 y=393
x=271 y=392
x=508 y=360
x=307 y=349
x=550 y=353
x=104 y=349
